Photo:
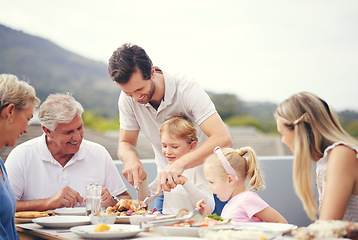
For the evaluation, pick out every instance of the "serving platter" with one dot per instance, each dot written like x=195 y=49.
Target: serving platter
x=274 y=228
x=188 y=231
x=281 y=228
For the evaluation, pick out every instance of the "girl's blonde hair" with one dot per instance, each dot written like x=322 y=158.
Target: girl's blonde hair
x=180 y=126
x=20 y=93
x=316 y=127
x=244 y=167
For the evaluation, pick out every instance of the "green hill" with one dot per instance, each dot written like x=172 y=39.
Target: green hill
x=50 y=68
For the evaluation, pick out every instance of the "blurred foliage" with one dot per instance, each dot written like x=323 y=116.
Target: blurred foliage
x=233 y=111
x=228 y=105
x=251 y=121
x=99 y=123
x=244 y=121
x=352 y=128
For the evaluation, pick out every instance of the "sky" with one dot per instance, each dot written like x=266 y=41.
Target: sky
x=259 y=50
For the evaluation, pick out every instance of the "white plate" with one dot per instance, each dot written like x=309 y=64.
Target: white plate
x=23 y=220
x=165 y=216
x=178 y=231
x=174 y=238
x=62 y=221
x=265 y=227
x=76 y=211
x=187 y=231
x=115 y=231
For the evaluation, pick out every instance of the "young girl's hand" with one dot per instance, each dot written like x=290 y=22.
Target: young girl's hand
x=182 y=179
x=203 y=207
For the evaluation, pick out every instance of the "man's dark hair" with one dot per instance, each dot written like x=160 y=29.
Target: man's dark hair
x=126 y=60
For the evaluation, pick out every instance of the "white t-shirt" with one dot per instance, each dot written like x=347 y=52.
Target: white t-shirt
x=351 y=213
x=181 y=96
x=182 y=196
x=35 y=174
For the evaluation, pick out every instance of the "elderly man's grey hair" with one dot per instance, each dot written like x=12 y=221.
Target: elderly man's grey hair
x=59 y=108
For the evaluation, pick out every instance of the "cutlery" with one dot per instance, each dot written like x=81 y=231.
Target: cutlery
x=195 y=215
x=144 y=202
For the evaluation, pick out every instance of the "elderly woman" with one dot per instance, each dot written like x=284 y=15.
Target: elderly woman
x=17 y=103
x=312 y=131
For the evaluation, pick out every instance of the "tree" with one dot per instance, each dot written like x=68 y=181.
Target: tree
x=227 y=105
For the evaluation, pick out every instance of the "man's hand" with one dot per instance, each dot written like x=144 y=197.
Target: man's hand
x=65 y=197
x=134 y=172
x=107 y=200
x=168 y=178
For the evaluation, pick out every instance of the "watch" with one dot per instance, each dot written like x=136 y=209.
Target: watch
x=115 y=199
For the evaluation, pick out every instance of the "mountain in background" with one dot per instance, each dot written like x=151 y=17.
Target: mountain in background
x=50 y=68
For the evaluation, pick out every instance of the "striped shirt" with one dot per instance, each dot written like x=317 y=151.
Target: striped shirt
x=351 y=213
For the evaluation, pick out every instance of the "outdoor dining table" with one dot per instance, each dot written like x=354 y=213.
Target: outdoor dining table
x=29 y=231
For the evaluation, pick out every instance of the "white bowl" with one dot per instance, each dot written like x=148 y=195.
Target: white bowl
x=106 y=219
x=137 y=219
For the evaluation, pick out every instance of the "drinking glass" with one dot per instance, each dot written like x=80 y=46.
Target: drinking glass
x=93 y=199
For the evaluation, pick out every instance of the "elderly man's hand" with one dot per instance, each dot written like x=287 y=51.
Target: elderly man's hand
x=65 y=197
x=107 y=199
x=134 y=173
x=168 y=178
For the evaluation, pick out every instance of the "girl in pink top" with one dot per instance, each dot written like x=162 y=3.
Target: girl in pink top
x=226 y=172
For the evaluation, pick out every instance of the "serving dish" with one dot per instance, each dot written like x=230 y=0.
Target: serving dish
x=281 y=228
x=105 y=218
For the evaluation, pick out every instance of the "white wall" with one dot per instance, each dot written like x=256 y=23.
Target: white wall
x=279 y=192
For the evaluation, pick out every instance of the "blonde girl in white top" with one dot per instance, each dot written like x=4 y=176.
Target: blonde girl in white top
x=179 y=137
x=313 y=133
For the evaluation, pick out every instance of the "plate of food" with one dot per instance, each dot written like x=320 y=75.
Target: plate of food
x=75 y=211
x=126 y=208
x=210 y=234
x=281 y=228
x=62 y=221
x=327 y=229
x=27 y=216
x=104 y=231
x=187 y=229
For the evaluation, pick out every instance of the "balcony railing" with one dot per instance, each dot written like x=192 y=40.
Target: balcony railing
x=279 y=192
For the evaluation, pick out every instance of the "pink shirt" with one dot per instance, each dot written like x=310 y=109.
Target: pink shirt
x=243 y=207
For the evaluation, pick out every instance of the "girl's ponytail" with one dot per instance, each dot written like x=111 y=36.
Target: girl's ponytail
x=252 y=168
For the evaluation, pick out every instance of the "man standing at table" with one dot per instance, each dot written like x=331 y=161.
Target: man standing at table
x=149 y=97
x=51 y=171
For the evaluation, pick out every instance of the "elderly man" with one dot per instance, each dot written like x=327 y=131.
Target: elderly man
x=51 y=171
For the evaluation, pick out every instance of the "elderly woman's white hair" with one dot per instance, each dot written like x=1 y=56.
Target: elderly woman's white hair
x=59 y=108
